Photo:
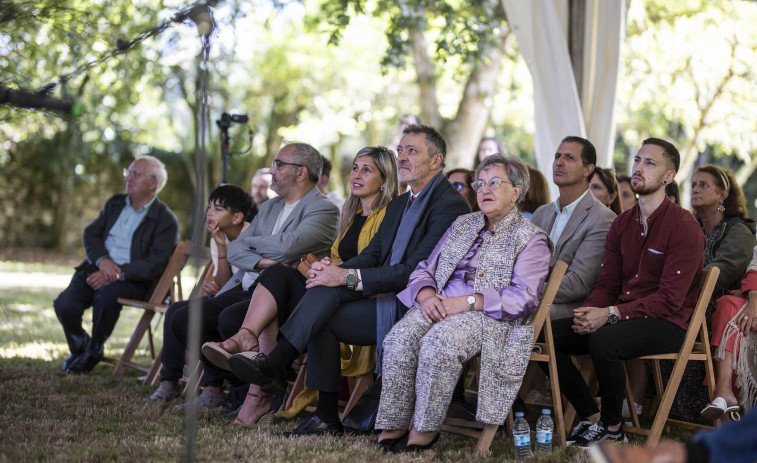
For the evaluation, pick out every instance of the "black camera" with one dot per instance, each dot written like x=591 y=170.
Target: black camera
x=227 y=119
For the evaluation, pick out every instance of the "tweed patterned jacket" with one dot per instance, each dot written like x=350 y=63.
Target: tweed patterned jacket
x=507 y=344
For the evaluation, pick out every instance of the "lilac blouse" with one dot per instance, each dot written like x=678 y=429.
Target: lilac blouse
x=515 y=301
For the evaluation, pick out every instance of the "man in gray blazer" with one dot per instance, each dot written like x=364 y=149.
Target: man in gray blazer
x=576 y=222
x=299 y=221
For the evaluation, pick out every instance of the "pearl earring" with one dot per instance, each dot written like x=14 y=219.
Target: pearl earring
x=721 y=207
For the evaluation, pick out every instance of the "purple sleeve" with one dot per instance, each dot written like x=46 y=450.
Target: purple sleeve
x=423 y=275
x=529 y=274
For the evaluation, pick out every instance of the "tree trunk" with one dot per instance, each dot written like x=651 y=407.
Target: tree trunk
x=465 y=131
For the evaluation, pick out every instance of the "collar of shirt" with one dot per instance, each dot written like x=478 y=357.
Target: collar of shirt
x=570 y=207
x=145 y=207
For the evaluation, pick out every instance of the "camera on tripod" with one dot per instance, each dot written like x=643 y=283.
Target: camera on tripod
x=227 y=119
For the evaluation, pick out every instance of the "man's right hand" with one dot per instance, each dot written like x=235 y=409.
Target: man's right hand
x=97 y=280
x=109 y=269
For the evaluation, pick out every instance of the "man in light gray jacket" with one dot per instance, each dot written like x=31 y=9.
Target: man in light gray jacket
x=299 y=221
x=576 y=223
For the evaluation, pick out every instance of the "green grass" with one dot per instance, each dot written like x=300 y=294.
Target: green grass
x=48 y=415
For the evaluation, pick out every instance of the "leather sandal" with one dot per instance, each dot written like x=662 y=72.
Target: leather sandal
x=218 y=353
x=266 y=419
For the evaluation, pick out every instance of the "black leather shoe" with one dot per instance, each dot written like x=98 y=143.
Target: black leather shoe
x=87 y=361
x=257 y=368
x=386 y=444
x=403 y=447
x=313 y=426
x=70 y=360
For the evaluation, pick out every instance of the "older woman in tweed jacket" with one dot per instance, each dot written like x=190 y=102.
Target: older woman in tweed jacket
x=474 y=294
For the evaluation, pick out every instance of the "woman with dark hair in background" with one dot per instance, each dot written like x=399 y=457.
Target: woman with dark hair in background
x=671 y=191
x=604 y=187
x=461 y=179
x=627 y=196
x=537 y=194
x=487 y=147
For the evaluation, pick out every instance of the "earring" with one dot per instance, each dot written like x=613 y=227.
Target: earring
x=664 y=182
x=721 y=207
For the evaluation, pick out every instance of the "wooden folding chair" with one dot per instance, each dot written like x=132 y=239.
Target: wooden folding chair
x=692 y=349
x=163 y=290
x=358 y=384
x=193 y=381
x=544 y=353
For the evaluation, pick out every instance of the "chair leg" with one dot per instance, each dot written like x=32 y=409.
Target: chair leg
x=195 y=379
x=153 y=376
x=297 y=387
x=485 y=441
x=136 y=338
x=361 y=385
x=630 y=401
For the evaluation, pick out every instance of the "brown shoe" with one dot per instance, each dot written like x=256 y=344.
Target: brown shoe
x=218 y=353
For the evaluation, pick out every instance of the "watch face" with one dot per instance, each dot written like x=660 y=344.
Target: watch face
x=350 y=280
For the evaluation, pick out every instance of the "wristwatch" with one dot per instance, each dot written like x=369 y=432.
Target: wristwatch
x=613 y=317
x=351 y=279
x=471 y=300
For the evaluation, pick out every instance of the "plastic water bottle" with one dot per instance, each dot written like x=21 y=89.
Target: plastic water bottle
x=521 y=436
x=544 y=430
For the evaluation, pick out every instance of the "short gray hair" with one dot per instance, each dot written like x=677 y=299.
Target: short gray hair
x=310 y=158
x=517 y=171
x=157 y=170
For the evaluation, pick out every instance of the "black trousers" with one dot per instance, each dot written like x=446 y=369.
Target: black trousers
x=324 y=318
x=221 y=316
x=609 y=346
x=78 y=296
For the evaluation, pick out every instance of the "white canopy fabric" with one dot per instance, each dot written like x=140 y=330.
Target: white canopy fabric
x=539 y=26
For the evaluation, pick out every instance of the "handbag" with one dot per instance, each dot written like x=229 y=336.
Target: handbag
x=304 y=266
x=362 y=417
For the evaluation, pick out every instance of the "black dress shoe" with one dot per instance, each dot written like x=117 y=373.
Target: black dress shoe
x=386 y=444
x=85 y=362
x=257 y=368
x=313 y=426
x=403 y=447
x=70 y=360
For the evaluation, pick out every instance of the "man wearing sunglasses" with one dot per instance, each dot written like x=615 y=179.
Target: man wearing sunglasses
x=127 y=248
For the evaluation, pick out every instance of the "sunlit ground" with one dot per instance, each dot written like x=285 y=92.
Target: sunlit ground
x=28 y=325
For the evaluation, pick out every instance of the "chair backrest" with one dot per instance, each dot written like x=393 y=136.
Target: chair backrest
x=696 y=324
x=548 y=296
x=172 y=271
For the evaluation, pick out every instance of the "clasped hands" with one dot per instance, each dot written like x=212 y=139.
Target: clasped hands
x=435 y=307
x=587 y=320
x=109 y=272
x=322 y=273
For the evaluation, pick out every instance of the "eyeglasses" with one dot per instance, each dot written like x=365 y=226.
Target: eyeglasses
x=133 y=173
x=277 y=163
x=493 y=184
x=459 y=186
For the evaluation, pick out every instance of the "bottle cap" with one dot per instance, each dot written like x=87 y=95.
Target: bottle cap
x=546 y=411
x=519 y=414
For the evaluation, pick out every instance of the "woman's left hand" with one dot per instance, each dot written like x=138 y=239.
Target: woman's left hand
x=749 y=321
x=454 y=305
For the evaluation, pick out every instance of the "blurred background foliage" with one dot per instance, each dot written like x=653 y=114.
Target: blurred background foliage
x=337 y=74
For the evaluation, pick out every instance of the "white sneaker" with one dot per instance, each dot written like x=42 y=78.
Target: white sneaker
x=206 y=400
x=626 y=412
x=165 y=392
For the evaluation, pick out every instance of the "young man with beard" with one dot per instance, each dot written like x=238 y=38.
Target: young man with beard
x=643 y=300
